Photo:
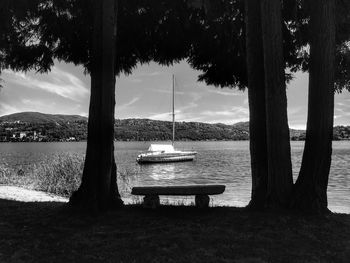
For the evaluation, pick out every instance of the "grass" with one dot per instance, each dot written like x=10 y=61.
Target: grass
x=60 y=175
x=52 y=232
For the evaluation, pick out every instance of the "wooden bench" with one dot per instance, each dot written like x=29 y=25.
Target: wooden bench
x=201 y=192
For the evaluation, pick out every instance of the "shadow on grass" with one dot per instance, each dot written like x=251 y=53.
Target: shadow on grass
x=53 y=232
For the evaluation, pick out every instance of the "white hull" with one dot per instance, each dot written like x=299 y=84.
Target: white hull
x=166 y=157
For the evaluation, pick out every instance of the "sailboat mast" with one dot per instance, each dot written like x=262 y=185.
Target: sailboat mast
x=173 y=110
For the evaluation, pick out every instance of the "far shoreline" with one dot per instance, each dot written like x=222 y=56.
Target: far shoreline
x=340 y=140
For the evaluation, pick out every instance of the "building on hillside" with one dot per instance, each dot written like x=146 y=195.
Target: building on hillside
x=22 y=135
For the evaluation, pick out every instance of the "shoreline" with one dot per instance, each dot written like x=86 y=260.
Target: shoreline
x=18 y=193
x=157 y=141
x=22 y=194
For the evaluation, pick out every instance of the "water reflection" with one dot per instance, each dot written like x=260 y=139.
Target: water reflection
x=161 y=171
x=165 y=173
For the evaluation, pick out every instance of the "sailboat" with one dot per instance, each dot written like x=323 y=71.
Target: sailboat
x=163 y=153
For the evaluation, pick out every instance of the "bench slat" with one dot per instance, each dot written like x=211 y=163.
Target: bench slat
x=212 y=189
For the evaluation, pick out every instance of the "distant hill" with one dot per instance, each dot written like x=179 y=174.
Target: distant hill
x=37 y=117
x=153 y=130
x=36 y=126
x=243 y=126
x=32 y=126
x=294 y=134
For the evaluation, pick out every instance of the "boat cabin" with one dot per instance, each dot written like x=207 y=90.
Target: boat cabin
x=168 y=148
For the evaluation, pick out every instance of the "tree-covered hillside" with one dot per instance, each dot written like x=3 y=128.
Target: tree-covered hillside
x=152 y=130
x=35 y=126
x=37 y=117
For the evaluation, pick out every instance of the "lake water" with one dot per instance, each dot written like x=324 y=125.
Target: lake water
x=217 y=162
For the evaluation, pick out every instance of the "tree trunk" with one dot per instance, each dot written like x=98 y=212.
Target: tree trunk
x=256 y=97
x=311 y=187
x=280 y=180
x=98 y=190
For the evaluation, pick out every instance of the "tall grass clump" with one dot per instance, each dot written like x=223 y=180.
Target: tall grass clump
x=126 y=179
x=59 y=175
x=15 y=176
x=6 y=174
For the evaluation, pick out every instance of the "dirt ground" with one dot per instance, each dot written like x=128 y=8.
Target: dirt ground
x=25 y=195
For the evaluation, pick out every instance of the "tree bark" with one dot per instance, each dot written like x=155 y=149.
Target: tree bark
x=310 y=192
x=98 y=190
x=280 y=180
x=256 y=98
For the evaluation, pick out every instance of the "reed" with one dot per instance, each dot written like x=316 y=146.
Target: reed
x=59 y=175
x=6 y=174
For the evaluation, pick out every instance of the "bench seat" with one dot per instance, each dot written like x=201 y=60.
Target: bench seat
x=210 y=189
x=201 y=193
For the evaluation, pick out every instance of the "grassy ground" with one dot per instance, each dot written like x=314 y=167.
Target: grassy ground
x=51 y=232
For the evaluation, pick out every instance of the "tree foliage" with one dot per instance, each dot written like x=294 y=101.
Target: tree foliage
x=298 y=24
x=38 y=32
x=221 y=56
x=218 y=47
x=34 y=33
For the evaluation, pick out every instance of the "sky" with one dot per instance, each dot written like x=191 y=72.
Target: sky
x=146 y=93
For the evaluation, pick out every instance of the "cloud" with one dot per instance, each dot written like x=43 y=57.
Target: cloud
x=228 y=92
x=295 y=110
x=180 y=112
x=6 y=109
x=166 y=91
x=193 y=117
x=341 y=104
x=58 y=82
x=35 y=104
x=233 y=115
x=139 y=75
x=216 y=113
x=135 y=80
x=297 y=126
x=149 y=74
x=39 y=105
x=211 y=89
x=229 y=121
x=229 y=116
x=179 y=116
x=50 y=106
x=196 y=96
x=191 y=105
x=128 y=104
x=165 y=116
x=341 y=113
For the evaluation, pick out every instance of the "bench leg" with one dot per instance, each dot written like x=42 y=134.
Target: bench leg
x=151 y=201
x=202 y=201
